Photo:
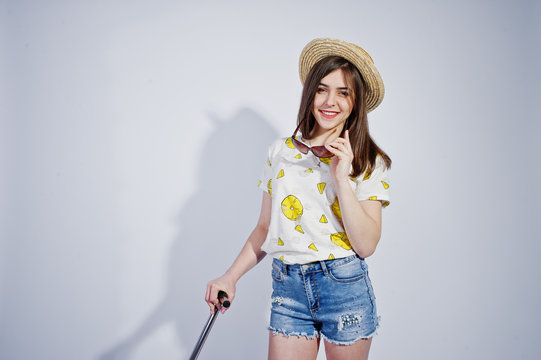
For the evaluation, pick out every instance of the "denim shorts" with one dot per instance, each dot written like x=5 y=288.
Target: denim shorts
x=333 y=299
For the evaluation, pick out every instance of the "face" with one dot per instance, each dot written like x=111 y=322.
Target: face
x=333 y=103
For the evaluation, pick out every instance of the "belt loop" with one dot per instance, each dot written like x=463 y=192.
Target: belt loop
x=324 y=268
x=284 y=268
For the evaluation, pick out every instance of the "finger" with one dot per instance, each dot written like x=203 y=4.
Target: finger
x=330 y=148
x=207 y=293
x=345 y=141
x=208 y=299
x=339 y=150
x=348 y=142
x=343 y=144
x=214 y=296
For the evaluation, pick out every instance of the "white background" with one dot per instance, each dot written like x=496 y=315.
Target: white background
x=133 y=133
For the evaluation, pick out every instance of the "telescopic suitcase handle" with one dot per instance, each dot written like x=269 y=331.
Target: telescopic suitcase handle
x=225 y=303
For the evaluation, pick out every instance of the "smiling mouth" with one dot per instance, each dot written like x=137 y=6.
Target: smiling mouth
x=328 y=114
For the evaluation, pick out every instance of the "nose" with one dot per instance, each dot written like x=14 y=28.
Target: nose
x=331 y=99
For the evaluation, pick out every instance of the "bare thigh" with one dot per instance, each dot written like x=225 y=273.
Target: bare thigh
x=357 y=351
x=293 y=347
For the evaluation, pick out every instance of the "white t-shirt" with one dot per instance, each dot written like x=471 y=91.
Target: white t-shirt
x=306 y=223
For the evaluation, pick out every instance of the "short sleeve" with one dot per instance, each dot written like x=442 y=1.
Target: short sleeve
x=374 y=185
x=265 y=179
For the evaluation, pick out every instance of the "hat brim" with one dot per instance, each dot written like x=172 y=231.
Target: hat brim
x=318 y=49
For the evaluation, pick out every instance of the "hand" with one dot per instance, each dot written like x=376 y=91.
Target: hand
x=224 y=283
x=342 y=159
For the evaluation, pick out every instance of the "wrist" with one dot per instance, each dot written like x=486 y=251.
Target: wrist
x=342 y=184
x=232 y=276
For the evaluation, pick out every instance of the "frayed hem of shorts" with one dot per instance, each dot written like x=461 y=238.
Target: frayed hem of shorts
x=346 y=343
x=315 y=335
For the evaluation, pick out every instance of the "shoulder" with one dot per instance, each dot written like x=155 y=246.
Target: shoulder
x=280 y=145
x=380 y=163
x=378 y=170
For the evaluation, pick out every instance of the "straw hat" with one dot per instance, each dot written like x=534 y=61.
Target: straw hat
x=318 y=49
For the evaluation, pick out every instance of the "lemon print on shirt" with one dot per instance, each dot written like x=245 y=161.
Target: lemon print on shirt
x=313 y=247
x=298 y=156
x=280 y=174
x=323 y=219
x=299 y=229
x=326 y=160
x=280 y=242
x=292 y=207
x=289 y=143
x=321 y=187
x=335 y=207
x=367 y=174
x=341 y=239
x=331 y=257
x=269 y=186
x=385 y=185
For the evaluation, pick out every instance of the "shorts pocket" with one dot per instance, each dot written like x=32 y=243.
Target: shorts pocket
x=354 y=270
x=277 y=274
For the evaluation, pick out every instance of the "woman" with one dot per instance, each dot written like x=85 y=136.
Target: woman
x=321 y=211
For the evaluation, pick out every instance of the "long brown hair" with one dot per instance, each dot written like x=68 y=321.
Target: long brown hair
x=364 y=148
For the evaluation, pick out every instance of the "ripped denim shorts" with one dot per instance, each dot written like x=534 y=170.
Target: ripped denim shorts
x=333 y=299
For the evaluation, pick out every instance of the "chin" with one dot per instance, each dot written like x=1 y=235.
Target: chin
x=328 y=126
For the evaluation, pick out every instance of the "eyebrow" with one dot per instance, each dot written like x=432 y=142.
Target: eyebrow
x=340 y=88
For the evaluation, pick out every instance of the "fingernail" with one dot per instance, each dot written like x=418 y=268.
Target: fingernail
x=223 y=310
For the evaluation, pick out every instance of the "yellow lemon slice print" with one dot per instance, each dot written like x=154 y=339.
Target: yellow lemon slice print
x=326 y=160
x=259 y=183
x=385 y=185
x=335 y=207
x=282 y=258
x=269 y=186
x=321 y=187
x=385 y=203
x=367 y=174
x=298 y=156
x=292 y=207
x=289 y=143
x=280 y=174
x=373 y=198
x=323 y=219
x=280 y=242
x=309 y=170
x=341 y=239
x=299 y=229
x=331 y=257
x=268 y=162
x=313 y=247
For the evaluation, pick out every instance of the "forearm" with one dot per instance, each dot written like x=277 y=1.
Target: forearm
x=250 y=255
x=362 y=229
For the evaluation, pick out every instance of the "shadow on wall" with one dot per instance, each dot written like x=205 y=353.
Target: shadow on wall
x=214 y=224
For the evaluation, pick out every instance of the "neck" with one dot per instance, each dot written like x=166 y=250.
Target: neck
x=319 y=136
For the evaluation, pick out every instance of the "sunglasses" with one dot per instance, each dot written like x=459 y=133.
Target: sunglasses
x=319 y=151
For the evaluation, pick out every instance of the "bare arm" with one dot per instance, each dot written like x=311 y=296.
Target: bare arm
x=248 y=257
x=362 y=219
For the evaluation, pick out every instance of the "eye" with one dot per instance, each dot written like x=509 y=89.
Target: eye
x=321 y=90
x=344 y=93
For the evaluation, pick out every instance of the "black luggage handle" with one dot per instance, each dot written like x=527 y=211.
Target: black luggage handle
x=208 y=325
